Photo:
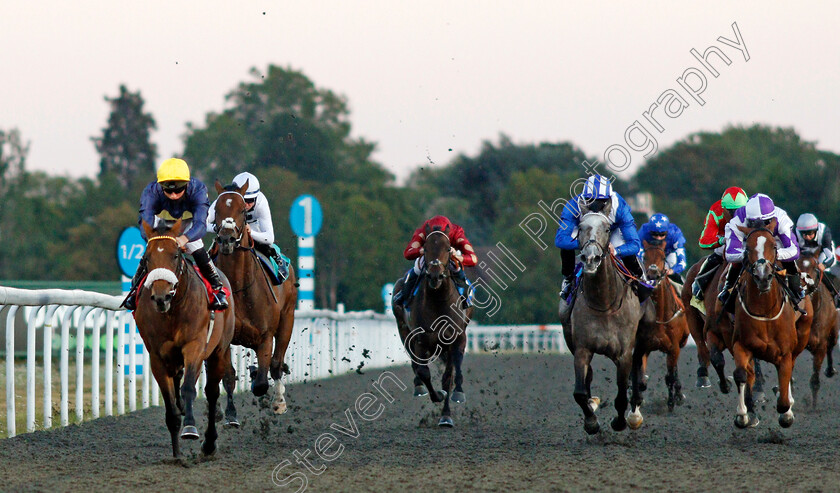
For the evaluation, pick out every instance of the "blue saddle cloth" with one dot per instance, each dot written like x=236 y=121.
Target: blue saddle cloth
x=277 y=273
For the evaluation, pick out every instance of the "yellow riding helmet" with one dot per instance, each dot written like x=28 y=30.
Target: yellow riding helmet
x=173 y=169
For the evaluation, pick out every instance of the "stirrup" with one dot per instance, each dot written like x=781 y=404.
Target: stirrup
x=219 y=300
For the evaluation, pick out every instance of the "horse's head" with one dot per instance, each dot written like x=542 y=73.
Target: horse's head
x=808 y=263
x=436 y=256
x=654 y=260
x=760 y=256
x=165 y=264
x=230 y=212
x=594 y=238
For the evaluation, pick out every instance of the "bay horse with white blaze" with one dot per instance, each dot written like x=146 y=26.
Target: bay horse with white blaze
x=766 y=327
x=669 y=332
x=180 y=332
x=435 y=325
x=265 y=313
x=604 y=320
x=823 y=336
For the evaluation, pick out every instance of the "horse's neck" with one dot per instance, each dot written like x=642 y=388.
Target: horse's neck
x=605 y=282
x=771 y=299
x=665 y=303
x=240 y=266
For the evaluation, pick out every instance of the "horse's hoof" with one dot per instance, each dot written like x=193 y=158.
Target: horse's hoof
x=231 y=423
x=724 y=387
x=742 y=421
x=591 y=425
x=259 y=390
x=786 y=419
x=635 y=420
x=441 y=395
x=642 y=386
x=594 y=402
x=830 y=371
x=671 y=404
x=680 y=398
x=759 y=398
x=618 y=423
x=458 y=397
x=208 y=450
x=446 y=422
x=420 y=391
x=279 y=408
x=189 y=433
x=703 y=382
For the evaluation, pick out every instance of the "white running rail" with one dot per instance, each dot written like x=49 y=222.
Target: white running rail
x=324 y=343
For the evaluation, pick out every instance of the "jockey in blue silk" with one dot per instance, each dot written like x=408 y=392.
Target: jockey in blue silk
x=598 y=196
x=659 y=230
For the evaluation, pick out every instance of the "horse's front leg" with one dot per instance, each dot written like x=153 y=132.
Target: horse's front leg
x=170 y=401
x=259 y=377
x=784 y=403
x=696 y=329
x=744 y=384
x=819 y=356
x=635 y=419
x=718 y=361
x=192 y=368
x=229 y=381
x=582 y=396
x=457 y=359
x=446 y=383
x=217 y=368
x=623 y=366
x=759 y=397
x=281 y=344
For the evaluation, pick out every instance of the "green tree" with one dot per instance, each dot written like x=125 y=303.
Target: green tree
x=124 y=147
x=283 y=120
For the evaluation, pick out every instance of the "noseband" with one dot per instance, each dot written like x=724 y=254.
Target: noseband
x=751 y=266
x=181 y=262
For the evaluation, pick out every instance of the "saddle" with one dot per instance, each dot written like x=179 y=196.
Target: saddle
x=272 y=269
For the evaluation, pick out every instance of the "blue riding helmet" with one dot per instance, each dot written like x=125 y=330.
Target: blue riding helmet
x=597 y=187
x=659 y=223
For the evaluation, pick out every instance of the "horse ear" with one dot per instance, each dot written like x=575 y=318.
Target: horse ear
x=428 y=229
x=446 y=231
x=219 y=187
x=243 y=188
x=176 y=228
x=645 y=244
x=745 y=230
x=773 y=223
x=147 y=229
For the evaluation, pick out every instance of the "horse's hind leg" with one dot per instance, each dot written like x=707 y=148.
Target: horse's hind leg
x=696 y=328
x=634 y=419
x=281 y=344
x=457 y=359
x=672 y=380
x=170 y=401
x=624 y=365
x=217 y=367
x=718 y=362
x=758 y=394
x=259 y=384
x=582 y=359
x=447 y=381
x=744 y=378
x=229 y=382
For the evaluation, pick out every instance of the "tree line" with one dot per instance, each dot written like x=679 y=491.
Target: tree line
x=296 y=138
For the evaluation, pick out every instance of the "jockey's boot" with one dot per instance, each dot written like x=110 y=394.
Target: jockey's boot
x=643 y=291
x=831 y=289
x=795 y=287
x=705 y=275
x=566 y=287
x=208 y=270
x=130 y=301
x=404 y=295
x=274 y=253
x=726 y=296
x=459 y=277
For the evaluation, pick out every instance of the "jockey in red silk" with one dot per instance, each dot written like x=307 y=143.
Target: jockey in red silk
x=461 y=250
x=713 y=236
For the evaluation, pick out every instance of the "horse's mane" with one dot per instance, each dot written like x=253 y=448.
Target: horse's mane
x=231 y=187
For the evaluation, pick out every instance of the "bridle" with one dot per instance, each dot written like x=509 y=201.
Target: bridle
x=437 y=262
x=750 y=268
x=229 y=223
x=179 y=269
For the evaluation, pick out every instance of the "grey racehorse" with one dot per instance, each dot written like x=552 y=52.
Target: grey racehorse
x=603 y=320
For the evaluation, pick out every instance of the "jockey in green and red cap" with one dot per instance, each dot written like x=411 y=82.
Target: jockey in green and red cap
x=713 y=236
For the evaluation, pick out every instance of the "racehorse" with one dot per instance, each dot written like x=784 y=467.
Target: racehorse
x=265 y=313
x=603 y=320
x=766 y=327
x=711 y=332
x=669 y=332
x=180 y=332
x=823 y=336
x=435 y=325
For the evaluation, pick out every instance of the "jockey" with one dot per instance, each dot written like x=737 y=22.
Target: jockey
x=624 y=239
x=713 y=236
x=257 y=220
x=659 y=230
x=813 y=237
x=761 y=212
x=461 y=250
x=175 y=195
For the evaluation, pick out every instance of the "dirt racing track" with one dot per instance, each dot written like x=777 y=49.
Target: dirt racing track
x=519 y=430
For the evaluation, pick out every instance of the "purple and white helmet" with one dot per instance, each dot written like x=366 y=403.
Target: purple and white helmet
x=760 y=207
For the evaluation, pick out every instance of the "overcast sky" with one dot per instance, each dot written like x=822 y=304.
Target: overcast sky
x=421 y=77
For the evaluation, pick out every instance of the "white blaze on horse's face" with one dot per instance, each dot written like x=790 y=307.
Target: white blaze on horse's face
x=762 y=267
x=594 y=237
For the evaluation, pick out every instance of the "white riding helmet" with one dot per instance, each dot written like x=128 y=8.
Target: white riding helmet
x=253 y=184
x=807 y=222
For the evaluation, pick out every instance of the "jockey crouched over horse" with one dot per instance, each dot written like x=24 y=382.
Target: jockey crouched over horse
x=606 y=317
x=181 y=326
x=265 y=298
x=433 y=308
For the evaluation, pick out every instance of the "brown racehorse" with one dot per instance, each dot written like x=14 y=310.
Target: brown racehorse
x=669 y=333
x=824 y=326
x=435 y=327
x=265 y=313
x=766 y=327
x=174 y=320
x=711 y=333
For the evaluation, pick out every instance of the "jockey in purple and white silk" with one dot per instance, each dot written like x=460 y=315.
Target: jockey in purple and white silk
x=760 y=212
